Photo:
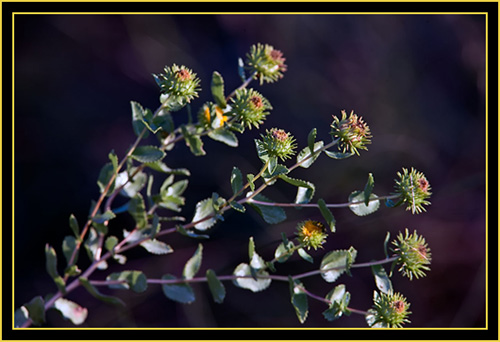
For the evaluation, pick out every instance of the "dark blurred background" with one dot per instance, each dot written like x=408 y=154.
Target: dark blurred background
x=417 y=80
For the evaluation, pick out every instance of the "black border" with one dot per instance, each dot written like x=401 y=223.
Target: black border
x=269 y=334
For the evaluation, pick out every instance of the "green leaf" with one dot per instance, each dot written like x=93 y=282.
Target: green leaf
x=114 y=160
x=68 y=247
x=282 y=252
x=193 y=142
x=256 y=261
x=250 y=178
x=278 y=170
x=382 y=281
x=181 y=292
x=72 y=311
x=193 y=265
x=339 y=299
x=104 y=178
x=305 y=190
x=130 y=186
x=164 y=119
x=216 y=287
x=304 y=255
x=327 y=214
x=156 y=247
x=51 y=266
x=204 y=209
x=21 y=316
x=271 y=215
x=271 y=166
x=147 y=154
x=337 y=262
x=311 y=137
x=190 y=233
x=361 y=209
x=92 y=247
x=110 y=243
x=138 y=122
x=261 y=151
x=72 y=271
x=304 y=157
x=368 y=189
x=73 y=224
x=101 y=218
x=225 y=136
x=133 y=280
x=36 y=310
x=247 y=282
x=137 y=209
x=162 y=167
x=386 y=241
x=304 y=195
x=237 y=206
x=338 y=155
x=217 y=88
x=299 y=299
x=95 y=293
x=236 y=180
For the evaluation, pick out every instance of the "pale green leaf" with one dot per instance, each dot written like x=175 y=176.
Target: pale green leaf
x=72 y=311
x=335 y=263
x=299 y=299
x=225 y=136
x=246 y=281
x=193 y=265
x=204 y=213
x=305 y=158
x=361 y=209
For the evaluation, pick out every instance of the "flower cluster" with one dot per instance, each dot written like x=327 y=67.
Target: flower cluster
x=413 y=189
x=179 y=85
x=353 y=133
x=390 y=310
x=266 y=63
x=311 y=234
x=278 y=143
x=250 y=107
x=413 y=254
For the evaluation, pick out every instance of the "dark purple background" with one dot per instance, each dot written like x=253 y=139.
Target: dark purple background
x=417 y=80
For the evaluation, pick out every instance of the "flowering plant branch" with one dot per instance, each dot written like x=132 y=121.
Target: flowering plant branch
x=244 y=108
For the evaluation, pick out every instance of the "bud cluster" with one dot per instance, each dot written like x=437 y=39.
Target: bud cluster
x=178 y=84
x=278 y=143
x=267 y=63
x=250 y=107
x=390 y=310
x=413 y=254
x=311 y=234
x=413 y=189
x=353 y=133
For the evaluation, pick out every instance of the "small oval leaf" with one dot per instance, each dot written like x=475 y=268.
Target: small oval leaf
x=180 y=292
x=216 y=287
x=147 y=154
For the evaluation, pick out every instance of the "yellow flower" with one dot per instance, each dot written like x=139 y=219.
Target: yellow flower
x=219 y=115
x=311 y=234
